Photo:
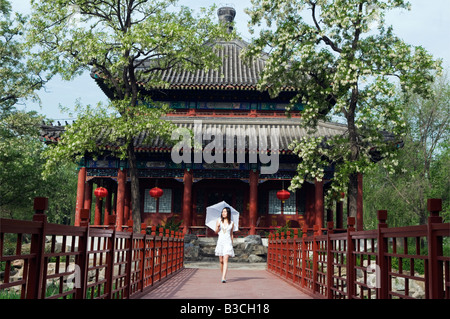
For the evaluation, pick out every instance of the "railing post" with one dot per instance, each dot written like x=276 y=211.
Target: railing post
x=350 y=258
x=330 y=268
x=288 y=253
x=303 y=254
x=435 y=272
x=34 y=289
x=110 y=273
x=383 y=290
x=83 y=257
x=317 y=232
x=142 y=256
x=295 y=256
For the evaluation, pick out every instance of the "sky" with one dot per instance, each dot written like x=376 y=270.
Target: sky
x=426 y=24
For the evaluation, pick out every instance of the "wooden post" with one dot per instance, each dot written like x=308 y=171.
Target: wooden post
x=80 y=194
x=350 y=258
x=35 y=279
x=120 y=203
x=318 y=204
x=107 y=212
x=330 y=268
x=435 y=271
x=317 y=232
x=98 y=211
x=296 y=256
x=253 y=200
x=383 y=290
x=187 y=200
x=303 y=279
x=339 y=214
x=83 y=258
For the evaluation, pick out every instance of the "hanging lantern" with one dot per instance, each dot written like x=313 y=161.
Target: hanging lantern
x=283 y=195
x=101 y=192
x=156 y=192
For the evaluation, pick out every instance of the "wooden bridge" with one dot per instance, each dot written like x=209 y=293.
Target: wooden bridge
x=57 y=261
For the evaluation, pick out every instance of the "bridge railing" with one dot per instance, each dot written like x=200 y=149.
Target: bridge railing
x=39 y=260
x=386 y=263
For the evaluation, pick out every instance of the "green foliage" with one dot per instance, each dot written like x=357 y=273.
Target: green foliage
x=170 y=224
x=423 y=169
x=345 y=62
x=19 y=77
x=21 y=171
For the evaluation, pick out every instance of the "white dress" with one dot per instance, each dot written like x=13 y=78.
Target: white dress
x=224 y=243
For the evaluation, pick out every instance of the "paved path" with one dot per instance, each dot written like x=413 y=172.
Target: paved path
x=204 y=283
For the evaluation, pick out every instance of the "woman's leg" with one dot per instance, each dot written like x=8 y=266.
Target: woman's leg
x=225 y=267
x=221 y=264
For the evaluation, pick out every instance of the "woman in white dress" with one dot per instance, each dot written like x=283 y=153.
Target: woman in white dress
x=224 y=248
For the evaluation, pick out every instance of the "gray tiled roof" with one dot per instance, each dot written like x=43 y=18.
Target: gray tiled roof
x=289 y=130
x=234 y=73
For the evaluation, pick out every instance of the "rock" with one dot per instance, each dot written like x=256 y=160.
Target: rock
x=253 y=239
x=191 y=251
x=398 y=284
x=18 y=263
x=255 y=259
x=190 y=238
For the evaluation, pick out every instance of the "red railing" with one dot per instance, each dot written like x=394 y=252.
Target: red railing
x=39 y=260
x=387 y=263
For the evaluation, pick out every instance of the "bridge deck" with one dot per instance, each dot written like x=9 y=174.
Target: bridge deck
x=195 y=283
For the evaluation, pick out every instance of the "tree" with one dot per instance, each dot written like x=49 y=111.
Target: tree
x=19 y=78
x=127 y=43
x=21 y=167
x=343 y=66
x=423 y=162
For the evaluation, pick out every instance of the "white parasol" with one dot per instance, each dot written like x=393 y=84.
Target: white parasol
x=214 y=212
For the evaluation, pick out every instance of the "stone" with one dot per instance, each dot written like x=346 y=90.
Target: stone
x=253 y=239
x=255 y=259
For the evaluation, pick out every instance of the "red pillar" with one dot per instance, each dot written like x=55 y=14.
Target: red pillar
x=359 y=204
x=87 y=196
x=120 y=204
x=253 y=200
x=98 y=211
x=187 y=200
x=127 y=209
x=107 y=207
x=80 y=195
x=318 y=205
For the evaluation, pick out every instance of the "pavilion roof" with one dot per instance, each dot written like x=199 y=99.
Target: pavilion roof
x=289 y=130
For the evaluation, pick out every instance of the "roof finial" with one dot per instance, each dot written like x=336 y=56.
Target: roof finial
x=226 y=16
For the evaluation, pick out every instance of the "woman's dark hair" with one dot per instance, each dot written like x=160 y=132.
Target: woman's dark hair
x=228 y=214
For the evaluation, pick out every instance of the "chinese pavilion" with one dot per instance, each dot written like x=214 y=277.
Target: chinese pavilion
x=227 y=101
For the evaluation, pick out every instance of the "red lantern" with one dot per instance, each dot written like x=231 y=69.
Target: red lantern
x=101 y=192
x=156 y=192
x=283 y=195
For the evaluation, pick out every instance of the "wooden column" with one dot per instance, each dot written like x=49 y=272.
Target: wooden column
x=107 y=212
x=187 y=200
x=318 y=203
x=120 y=204
x=127 y=209
x=359 y=204
x=80 y=194
x=88 y=196
x=339 y=214
x=253 y=201
x=98 y=211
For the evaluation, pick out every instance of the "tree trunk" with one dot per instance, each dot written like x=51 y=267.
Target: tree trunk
x=135 y=194
x=352 y=194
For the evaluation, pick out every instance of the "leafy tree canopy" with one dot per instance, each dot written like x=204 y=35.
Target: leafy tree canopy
x=345 y=62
